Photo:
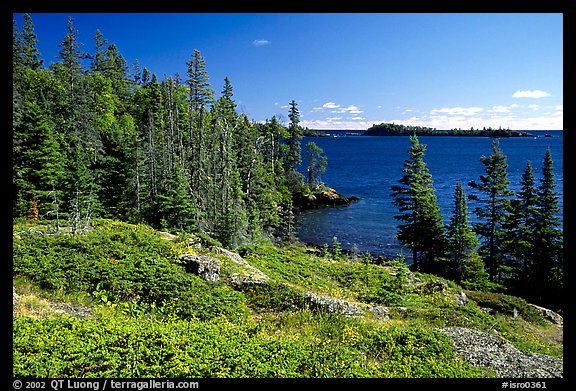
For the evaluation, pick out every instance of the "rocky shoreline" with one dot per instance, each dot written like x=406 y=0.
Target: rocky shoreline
x=326 y=197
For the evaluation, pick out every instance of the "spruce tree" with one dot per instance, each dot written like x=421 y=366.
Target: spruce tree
x=317 y=163
x=462 y=241
x=201 y=94
x=421 y=227
x=38 y=165
x=17 y=49
x=547 y=268
x=227 y=217
x=493 y=205
x=75 y=118
x=519 y=227
x=200 y=138
x=295 y=132
x=175 y=204
x=271 y=133
x=98 y=62
x=30 y=54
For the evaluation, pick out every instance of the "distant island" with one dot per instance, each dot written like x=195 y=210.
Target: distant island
x=391 y=129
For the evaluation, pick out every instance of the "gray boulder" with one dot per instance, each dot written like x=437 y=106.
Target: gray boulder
x=344 y=307
x=204 y=266
x=250 y=275
x=550 y=315
x=331 y=304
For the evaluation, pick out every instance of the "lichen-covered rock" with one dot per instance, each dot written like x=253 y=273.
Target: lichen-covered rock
x=204 y=266
x=550 y=315
x=15 y=296
x=248 y=280
x=380 y=312
x=344 y=307
x=250 y=276
x=491 y=351
x=332 y=304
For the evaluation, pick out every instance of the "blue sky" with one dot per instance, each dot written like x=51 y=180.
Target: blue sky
x=351 y=70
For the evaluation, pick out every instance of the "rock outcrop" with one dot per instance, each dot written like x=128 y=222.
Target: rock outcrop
x=343 y=307
x=204 y=266
x=250 y=275
x=327 y=197
x=492 y=352
x=550 y=315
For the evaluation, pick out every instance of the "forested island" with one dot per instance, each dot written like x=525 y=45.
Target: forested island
x=154 y=236
x=392 y=129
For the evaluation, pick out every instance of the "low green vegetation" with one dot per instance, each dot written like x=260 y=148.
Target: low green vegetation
x=148 y=317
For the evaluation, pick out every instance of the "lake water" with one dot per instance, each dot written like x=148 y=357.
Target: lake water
x=367 y=167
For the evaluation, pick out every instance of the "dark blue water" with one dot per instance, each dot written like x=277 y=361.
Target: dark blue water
x=367 y=167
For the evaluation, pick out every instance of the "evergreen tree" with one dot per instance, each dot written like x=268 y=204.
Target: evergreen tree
x=200 y=96
x=75 y=118
x=462 y=241
x=39 y=163
x=421 y=227
x=519 y=228
x=547 y=268
x=30 y=54
x=116 y=70
x=226 y=103
x=98 y=61
x=492 y=210
x=271 y=133
x=227 y=212
x=295 y=132
x=317 y=163
x=175 y=203
x=17 y=49
x=293 y=179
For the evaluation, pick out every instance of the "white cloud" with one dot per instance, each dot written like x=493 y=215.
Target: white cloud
x=350 y=110
x=260 y=42
x=338 y=123
x=530 y=94
x=459 y=111
x=336 y=108
x=331 y=115
x=500 y=109
x=327 y=105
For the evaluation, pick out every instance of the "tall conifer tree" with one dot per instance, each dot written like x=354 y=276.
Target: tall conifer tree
x=462 y=241
x=547 y=268
x=421 y=228
x=30 y=54
x=519 y=226
x=494 y=202
x=293 y=157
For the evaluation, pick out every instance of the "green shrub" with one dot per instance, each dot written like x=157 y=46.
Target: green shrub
x=272 y=296
x=506 y=305
x=128 y=262
x=119 y=346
